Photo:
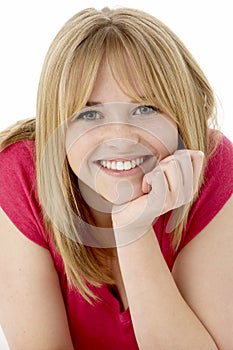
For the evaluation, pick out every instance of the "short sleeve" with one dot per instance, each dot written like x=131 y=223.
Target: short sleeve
x=18 y=197
x=215 y=192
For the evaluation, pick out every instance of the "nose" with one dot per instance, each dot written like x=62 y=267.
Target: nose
x=122 y=131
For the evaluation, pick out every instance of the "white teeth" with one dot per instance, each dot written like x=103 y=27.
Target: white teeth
x=127 y=165
x=119 y=165
x=134 y=163
x=113 y=166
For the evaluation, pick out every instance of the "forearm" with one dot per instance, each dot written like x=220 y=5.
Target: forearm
x=160 y=316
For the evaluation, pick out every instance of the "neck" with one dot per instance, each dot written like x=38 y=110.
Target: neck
x=101 y=219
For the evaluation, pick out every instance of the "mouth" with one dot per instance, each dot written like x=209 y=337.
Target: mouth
x=123 y=167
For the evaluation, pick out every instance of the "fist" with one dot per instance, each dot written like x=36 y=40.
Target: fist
x=171 y=184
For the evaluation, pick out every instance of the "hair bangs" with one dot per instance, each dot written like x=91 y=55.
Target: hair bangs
x=137 y=75
x=85 y=66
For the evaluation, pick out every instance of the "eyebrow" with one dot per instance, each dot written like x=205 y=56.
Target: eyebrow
x=94 y=103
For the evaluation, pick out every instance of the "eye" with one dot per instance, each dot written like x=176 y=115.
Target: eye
x=145 y=110
x=89 y=115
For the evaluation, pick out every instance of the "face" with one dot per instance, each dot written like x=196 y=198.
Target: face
x=113 y=142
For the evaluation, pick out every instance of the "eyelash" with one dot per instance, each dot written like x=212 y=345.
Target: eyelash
x=153 y=108
x=84 y=115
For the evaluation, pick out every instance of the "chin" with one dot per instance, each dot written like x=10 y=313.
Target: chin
x=124 y=193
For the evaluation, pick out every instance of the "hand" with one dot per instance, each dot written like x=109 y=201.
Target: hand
x=171 y=184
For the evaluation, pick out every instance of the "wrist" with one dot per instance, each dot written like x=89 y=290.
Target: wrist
x=126 y=235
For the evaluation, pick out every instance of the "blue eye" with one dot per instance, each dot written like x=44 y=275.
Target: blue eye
x=145 y=110
x=89 y=115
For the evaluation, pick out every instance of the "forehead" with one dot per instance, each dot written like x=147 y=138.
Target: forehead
x=106 y=89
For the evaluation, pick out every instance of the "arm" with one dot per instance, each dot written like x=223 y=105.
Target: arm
x=203 y=272
x=161 y=316
x=32 y=312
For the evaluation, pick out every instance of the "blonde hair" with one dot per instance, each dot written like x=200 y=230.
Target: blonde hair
x=135 y=44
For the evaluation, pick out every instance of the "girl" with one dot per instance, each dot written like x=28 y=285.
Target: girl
x=116 y=199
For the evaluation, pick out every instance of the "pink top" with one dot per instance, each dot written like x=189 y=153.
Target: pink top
x=103 y=326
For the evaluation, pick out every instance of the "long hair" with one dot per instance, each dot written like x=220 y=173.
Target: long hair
x=135 y=44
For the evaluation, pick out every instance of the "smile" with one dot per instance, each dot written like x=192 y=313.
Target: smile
x=121 y=165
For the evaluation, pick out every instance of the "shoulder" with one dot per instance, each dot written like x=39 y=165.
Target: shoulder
x=17 y=152
x=17 y=168
x=221 y=157
x=218 y=180
x=18 y=195
x=17 y=162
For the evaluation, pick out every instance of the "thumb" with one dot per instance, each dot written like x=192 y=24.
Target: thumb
x=146 y=187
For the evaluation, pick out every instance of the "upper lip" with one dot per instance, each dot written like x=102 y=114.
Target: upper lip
x=124 y=158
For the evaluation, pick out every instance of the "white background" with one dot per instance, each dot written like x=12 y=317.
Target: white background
x=27 y=28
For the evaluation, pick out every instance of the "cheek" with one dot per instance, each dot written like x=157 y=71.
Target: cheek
x=162 y=150
x=163 y=137
x=75 y=159
x=78 y=153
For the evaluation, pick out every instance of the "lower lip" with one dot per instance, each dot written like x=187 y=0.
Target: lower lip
x=124 y=173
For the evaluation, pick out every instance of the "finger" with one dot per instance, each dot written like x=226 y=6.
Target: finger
x=157 y=197
x=172 y=172
x=146 y=187
x=167 y=184
x=184 y=161
x=197 y=158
